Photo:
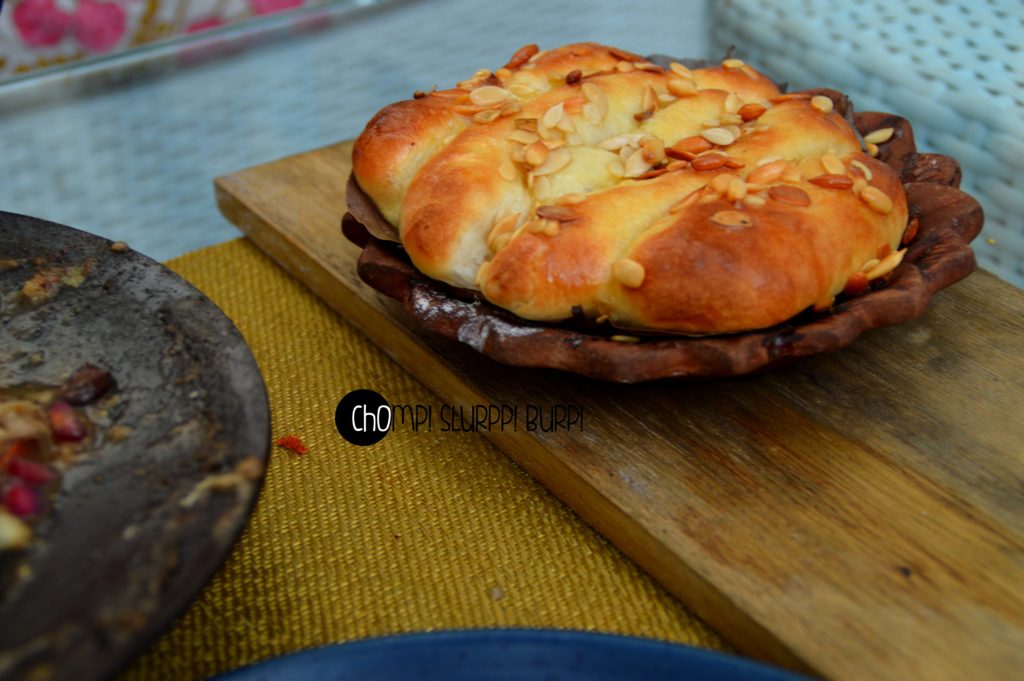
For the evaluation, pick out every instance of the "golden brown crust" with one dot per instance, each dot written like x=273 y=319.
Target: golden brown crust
x=396 y=142
x=745 y=277
x=661 y=199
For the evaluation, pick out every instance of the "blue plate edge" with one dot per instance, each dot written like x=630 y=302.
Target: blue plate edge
x=744 y=668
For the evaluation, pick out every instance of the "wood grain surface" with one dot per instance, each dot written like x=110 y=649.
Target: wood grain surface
x=859 y=515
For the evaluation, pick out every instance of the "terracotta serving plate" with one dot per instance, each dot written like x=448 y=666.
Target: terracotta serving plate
x=937 y=257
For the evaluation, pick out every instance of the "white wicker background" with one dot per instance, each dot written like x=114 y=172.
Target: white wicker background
x=955 y=69
x=135 y=161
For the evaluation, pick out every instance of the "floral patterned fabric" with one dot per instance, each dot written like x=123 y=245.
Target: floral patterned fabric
x=36 y=34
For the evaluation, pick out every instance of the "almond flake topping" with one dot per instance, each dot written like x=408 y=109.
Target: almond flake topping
x=863 y=169
x=791 y=195
x=832 y=181
x=688 y=147
x=629 y=272
x=523 y=136
x=501 y=232
x=636 y=164
x=877 y=199
x=880 y=136
x=720 y=183
x=558 y=213
x=522 y=90
x=653 y=149
x=887 y=264
x=591 y=114
x=732 y=218
x=536 y=154
x=822 y=103
x=768 y=173
x=720 y=136
x=542 y=188
x=486 y=116
x=832 y=164
x=488 y=95
x=680 y=70
x=507 y=171
x=596 y=96
x=615 y=143
x=737 y=189
x=750 y=112
x=553 y=116
x=556 y=160
x=708 y=162
x=682 y=87
x=650 y=99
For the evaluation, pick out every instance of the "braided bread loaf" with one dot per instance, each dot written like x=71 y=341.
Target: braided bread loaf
x=585 y=179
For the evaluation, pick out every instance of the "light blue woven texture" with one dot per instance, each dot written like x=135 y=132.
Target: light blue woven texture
x=954 y=69
x=136 y=161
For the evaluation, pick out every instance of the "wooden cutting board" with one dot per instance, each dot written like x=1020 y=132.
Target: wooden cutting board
x=859 y=515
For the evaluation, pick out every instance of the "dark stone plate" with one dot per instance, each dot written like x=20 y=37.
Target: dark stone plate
x=134 y=532
x=939 y=256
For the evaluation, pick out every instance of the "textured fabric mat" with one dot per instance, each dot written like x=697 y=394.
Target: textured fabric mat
x=420 y=531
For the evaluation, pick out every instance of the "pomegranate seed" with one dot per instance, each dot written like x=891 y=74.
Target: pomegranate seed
x=14 y=450
x=30 y=471
x=21 y=500
x=65 y=423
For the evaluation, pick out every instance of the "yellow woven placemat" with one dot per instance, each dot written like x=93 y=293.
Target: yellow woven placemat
x=421 y=531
